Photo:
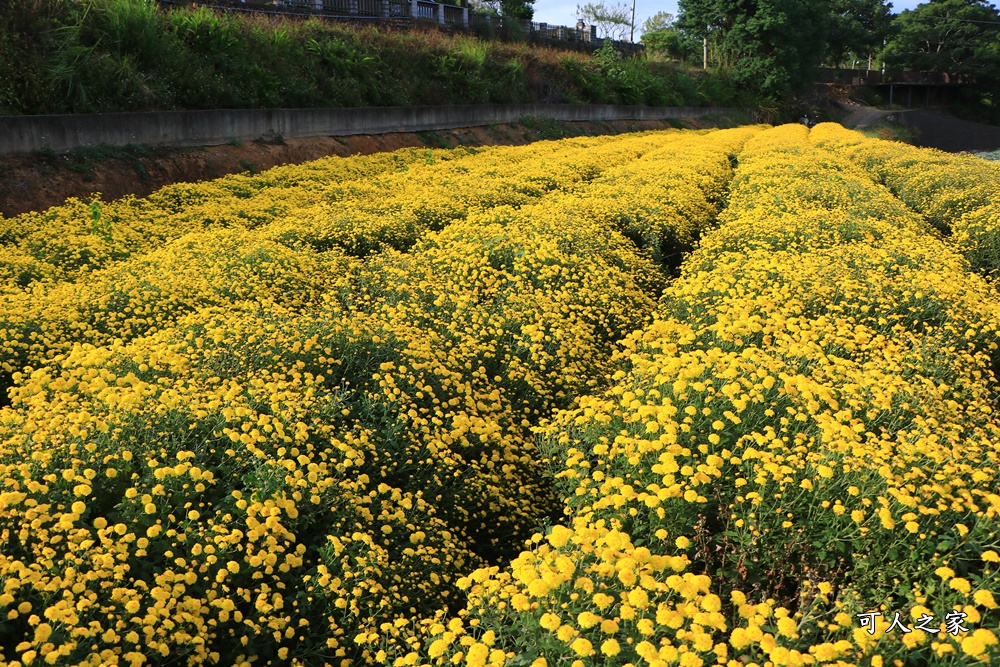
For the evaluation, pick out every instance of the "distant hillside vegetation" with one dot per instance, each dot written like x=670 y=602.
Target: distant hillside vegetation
x=61 y=56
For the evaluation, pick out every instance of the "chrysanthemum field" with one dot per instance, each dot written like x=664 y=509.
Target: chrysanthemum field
x=675 y=398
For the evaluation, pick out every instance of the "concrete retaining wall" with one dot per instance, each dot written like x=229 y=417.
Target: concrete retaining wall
x=24 y=134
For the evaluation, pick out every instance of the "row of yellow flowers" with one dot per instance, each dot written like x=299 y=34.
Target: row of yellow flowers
x=320 y=451
x=300 y=254
x=358 y=204
x=806 y=434
x=958 y=194
x=67 y=241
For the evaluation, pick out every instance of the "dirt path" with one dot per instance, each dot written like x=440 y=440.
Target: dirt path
x=36 y=182
x=860 y=117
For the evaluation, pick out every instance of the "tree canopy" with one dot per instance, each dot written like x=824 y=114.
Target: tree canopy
x=658 y=21
x=858 y=28
x=772 y=46
x=958 y=36
x=516 y=9
x=663 y=39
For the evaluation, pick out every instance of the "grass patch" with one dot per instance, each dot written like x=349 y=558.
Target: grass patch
x=498 y=132
x=82 y=160
x=101 y=152
x=249 y=167
x=433 y=139
x=892 y=132
x=546 y=128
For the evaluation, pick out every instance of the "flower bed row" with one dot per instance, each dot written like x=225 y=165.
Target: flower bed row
x=291 y=259
x=808 y=433
x=277 y=480
x=358 y=204
x=958 y=194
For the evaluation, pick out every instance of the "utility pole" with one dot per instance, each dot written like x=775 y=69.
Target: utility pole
x=631 y=34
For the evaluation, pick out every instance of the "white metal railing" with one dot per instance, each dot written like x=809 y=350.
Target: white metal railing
x=424 y=10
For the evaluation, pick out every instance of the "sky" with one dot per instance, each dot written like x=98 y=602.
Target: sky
x=563 y=12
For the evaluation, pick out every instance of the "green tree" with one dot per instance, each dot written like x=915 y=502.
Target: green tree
x=771 y=46
x=515 y=9
x=858 y=29
x=658 y=21
x=664 y=40
x=485 y=6
x=611 y=20
x=672 y=44
x=957 y=37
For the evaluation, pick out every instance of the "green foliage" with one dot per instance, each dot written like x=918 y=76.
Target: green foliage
x=954 y=36
x=433 y=140
x=719 y=91
x=99 y=225
x=518 y=9
x=892 y=132
x=633 y=82
x=472 y=51
x=658 y=21
x=131 y=55
x=515 y=9
x=663 y=40
x=958 y=36
x=672 y=44
x=858 y=28
x=99 y=152
x=772 y=46
x=545 y=128
x=25 y=37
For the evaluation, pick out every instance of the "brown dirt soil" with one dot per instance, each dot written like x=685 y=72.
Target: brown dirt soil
x=36 y=182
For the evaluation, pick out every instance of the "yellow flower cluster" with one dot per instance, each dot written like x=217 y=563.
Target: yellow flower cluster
x=806 y=433
x=959 y=194
x=248 y=445
x=311 y=417
x=397 y=209
x=65 y=242
x=293 y=252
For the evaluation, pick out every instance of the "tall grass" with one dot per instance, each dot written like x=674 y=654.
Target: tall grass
x=471 y=51
x=129 y=55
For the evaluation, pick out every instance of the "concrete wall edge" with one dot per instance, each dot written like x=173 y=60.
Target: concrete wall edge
x=62 y=133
